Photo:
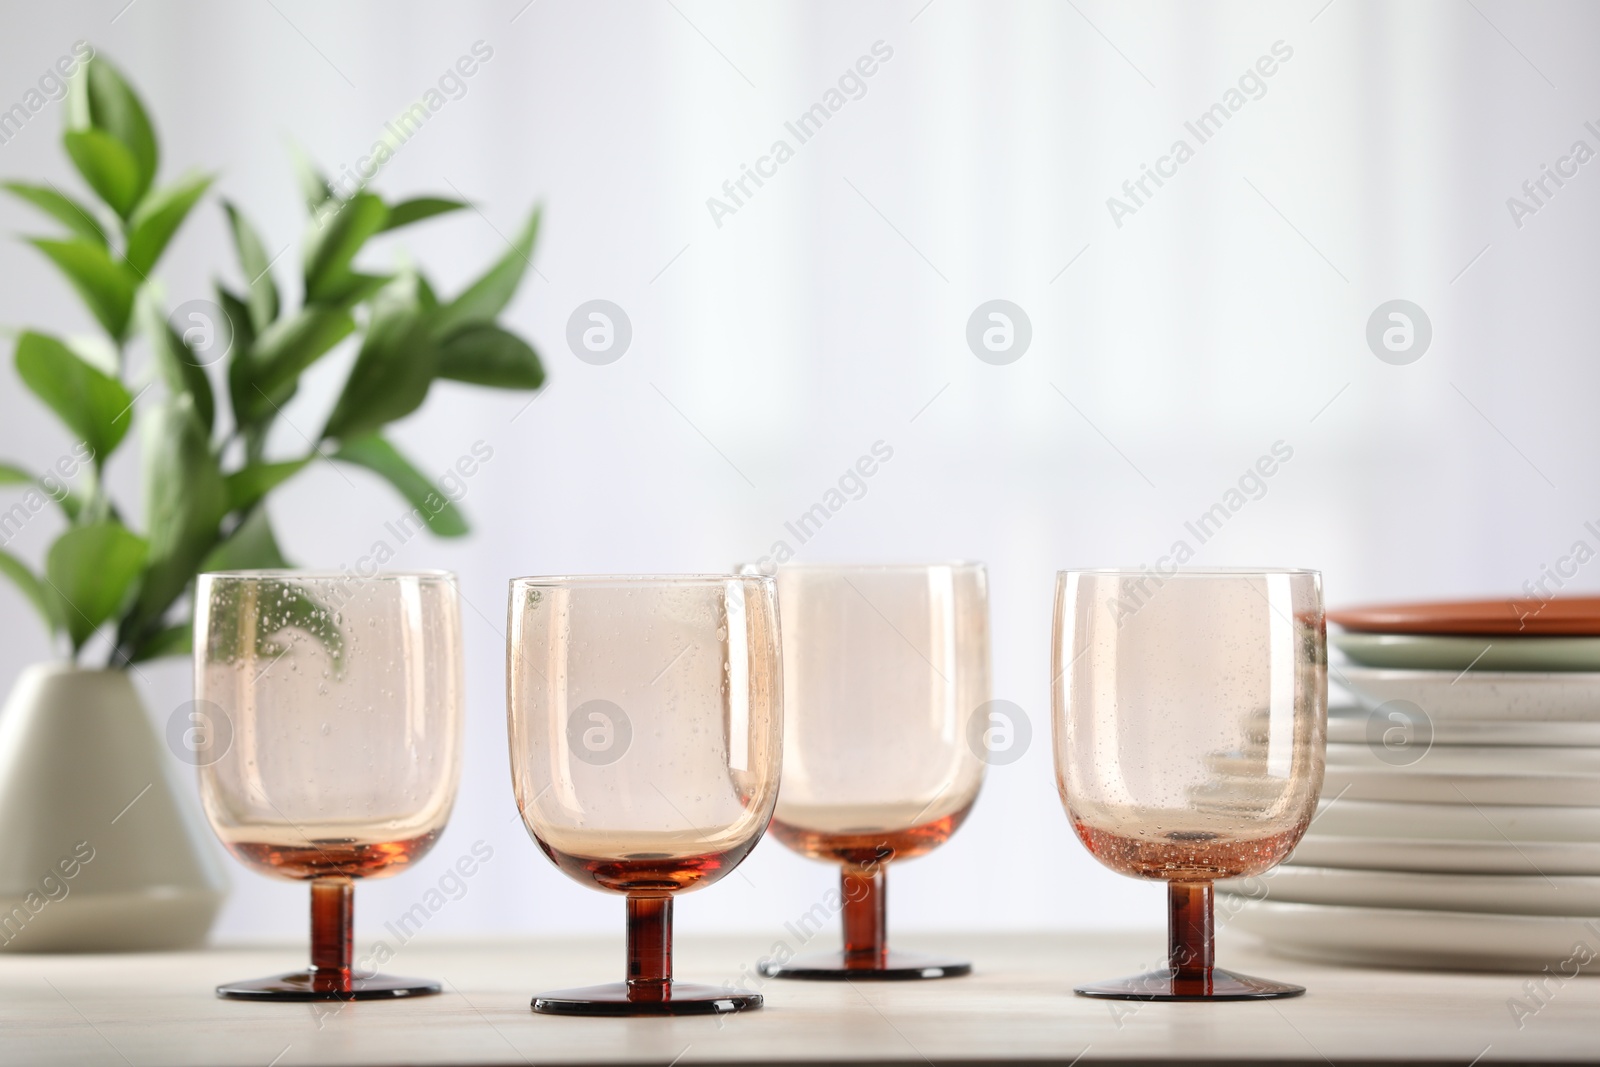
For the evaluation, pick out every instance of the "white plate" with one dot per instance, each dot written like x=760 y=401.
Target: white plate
x=1554 y=696
x=1457 y=822
x=1513 y=894
x=1418 y=785
x=1467 y=759
x=1402 y=937
x=1549 y=858
x=1458 y=652
x=1358 y=726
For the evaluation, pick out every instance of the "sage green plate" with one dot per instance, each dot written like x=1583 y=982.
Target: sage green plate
x=1446 y=652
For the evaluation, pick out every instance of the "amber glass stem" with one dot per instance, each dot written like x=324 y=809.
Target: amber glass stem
x=1191 y=931
x=649 y=947
x=866 y=931
x=332 y=917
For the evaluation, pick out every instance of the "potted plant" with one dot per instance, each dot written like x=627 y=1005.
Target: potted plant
x=82 y=779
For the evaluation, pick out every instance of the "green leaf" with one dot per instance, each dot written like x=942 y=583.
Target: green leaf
x=103 y=283
x=238 y=313
x=426 y=297
x=38 y=594
x=423 y=207
x=257 y=267
x=97 y=351
x=65 y=210
x=251 y=409
x=70 y=502
x=179 y=365
x=185 y=500
x=354 y=287
x=487 y=297
x=282 y=352
x=251 y=547
x=94 y=405
x=102 y=100
x=314 y=187
x=109 y=168
x=334 y=242
x=93 y=570
x=394 y=369
x=158 y=218
x=488 y=355
x=248 y=485
x=175 y=640
x=380 y=457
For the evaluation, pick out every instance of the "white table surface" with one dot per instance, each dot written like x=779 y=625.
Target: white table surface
x=1018 y=1005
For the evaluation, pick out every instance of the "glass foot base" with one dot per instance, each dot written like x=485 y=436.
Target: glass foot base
x=303 y=985
x=1165 y=984
x=896 y=967
x=679 y=998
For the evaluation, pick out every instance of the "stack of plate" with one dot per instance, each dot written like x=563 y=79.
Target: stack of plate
x=1460 y=816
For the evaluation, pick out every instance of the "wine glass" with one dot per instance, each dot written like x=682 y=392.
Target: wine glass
x=1190 y=714
x=340 y=697
x=646 y=725
x=885 y=670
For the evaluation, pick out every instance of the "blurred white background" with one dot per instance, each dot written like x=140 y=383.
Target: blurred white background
x=830 y=311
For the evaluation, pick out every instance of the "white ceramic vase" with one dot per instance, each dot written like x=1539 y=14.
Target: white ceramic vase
x=97 y=851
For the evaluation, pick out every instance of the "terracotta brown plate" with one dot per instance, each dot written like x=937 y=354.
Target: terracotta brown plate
x=1576 y=616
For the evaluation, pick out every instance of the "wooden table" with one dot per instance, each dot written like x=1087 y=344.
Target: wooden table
x=159 y=1009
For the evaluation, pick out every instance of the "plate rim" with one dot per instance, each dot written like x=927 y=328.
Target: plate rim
x=1348 y=873
x=1438 y=914
x=1413 y=772
x=1474 y=639
x=1422 y=674
x=1450 y=731
x=1565 y=653
x=1442 y=843
x=1575 y=616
